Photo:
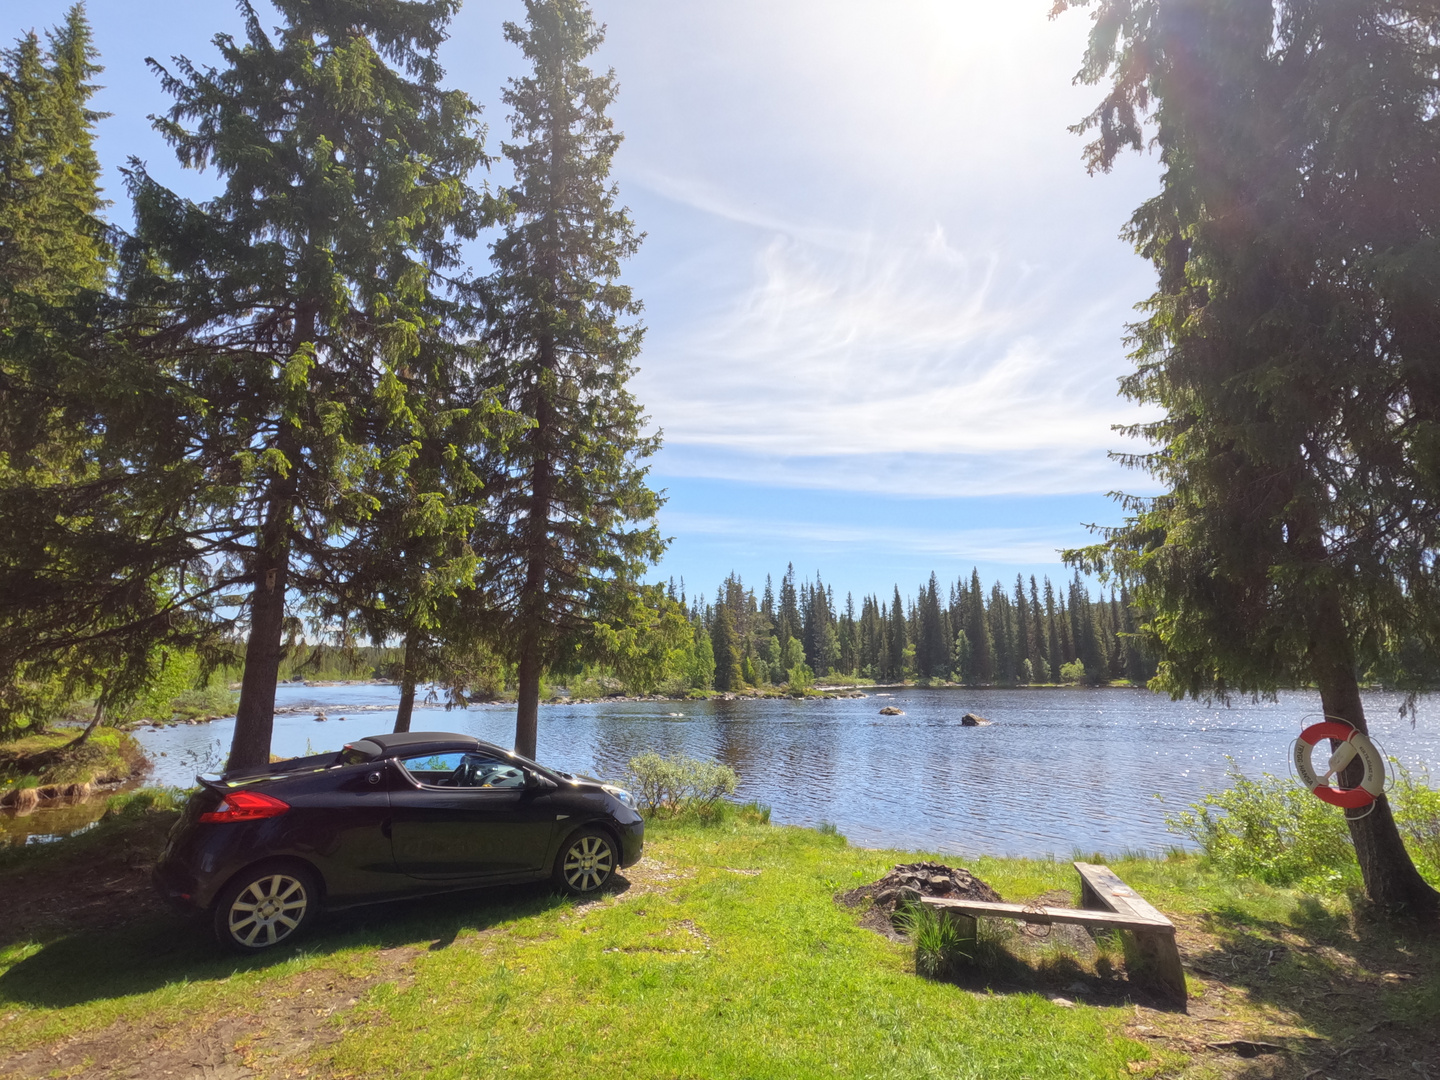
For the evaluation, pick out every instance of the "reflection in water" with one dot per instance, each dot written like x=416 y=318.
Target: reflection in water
x=52 y=820
x=1057 y=771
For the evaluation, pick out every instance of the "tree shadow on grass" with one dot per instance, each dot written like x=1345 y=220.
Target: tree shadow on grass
x=1366 y=986
x=1064 y=964
x=154 y=951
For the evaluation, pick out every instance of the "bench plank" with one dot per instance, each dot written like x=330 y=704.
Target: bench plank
x=1158 y=952
x=1100 y=886
x=1072 y=916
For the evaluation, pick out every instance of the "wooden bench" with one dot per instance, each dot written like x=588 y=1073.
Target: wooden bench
x=1108 y=903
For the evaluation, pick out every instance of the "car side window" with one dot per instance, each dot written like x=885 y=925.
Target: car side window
x=461 y=770
x=434 y=770
x=485 y=771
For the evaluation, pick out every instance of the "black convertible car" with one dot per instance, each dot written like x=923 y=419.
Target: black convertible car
x=389 y=816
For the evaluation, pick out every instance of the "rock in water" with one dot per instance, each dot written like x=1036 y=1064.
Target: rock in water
x=891 y=710
x=971 y=720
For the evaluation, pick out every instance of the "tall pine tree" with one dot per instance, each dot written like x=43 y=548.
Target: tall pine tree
x=570 y=528
x=1293 y=344
x=298 y=300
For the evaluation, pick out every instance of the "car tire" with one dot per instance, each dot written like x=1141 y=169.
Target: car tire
x=586 y=862
x=266 y=905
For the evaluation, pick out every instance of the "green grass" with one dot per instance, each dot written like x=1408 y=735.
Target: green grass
x=726 y=956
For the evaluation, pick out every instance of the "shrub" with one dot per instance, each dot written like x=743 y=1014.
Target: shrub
x=1072 y=672
x=1417 y=811
x=1276 y=831
x=678 y=783
x=1271 y=829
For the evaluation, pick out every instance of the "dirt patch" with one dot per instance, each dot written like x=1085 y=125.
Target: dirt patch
x=91 y=882
x=909 y=882
x=288 y=1024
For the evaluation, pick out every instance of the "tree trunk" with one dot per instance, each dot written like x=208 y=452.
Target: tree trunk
x=533 y=608
x=527 y=706
x=255 y=717
x=1391 y=881
x=407 y=683
x=264 y=649
x=93 y=724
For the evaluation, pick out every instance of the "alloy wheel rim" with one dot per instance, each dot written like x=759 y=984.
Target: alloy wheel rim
x=268 y=910
x=588 y=863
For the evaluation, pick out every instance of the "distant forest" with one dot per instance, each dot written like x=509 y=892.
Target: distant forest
x=1028 y=633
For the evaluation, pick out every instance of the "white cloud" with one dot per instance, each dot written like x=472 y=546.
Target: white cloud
x=855 y=344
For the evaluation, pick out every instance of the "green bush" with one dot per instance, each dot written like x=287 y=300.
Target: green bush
x=1072 y=672
x=678 y=784
x=1271 y=829
x=1276 y=831
x=1417 y=811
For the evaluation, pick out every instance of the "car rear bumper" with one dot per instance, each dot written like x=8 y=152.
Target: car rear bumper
x=176 y=887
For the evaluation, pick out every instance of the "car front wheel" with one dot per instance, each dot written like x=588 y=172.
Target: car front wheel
x=586 y=862
x=265 y=906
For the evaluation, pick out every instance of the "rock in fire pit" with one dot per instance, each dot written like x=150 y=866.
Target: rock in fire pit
x=911 y=881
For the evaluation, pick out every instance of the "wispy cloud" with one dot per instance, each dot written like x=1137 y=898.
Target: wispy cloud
x=850 y=344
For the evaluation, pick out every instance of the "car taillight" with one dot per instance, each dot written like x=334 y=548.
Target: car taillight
x=246 y=806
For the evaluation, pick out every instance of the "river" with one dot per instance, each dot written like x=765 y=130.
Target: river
x=1058 y=771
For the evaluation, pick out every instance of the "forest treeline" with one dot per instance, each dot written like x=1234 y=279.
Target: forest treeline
x=1030 y=632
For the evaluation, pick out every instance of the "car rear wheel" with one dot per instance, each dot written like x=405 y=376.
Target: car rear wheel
x=264 y=906
x=586 y=862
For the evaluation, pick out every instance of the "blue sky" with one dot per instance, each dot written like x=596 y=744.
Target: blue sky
x=885 y=304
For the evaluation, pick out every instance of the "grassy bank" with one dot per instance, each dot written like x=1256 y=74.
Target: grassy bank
x=51 y=765
x=722 y=954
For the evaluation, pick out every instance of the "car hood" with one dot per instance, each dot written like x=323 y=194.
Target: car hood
x=585 y=781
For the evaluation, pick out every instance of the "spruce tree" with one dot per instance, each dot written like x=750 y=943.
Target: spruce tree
x=932 y=650
x=298 y=301
x=871 y=646
x=899 y=638
x=727 y=656
x=1040 y=642
x=571 y=517
x=1053 y=646
x=98 y=576
x=848 y=637
x=788 y=623
x=1293 y=344
x=978 y=633
x=53 y=241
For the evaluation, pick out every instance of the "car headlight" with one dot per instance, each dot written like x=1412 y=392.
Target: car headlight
x=621 y=794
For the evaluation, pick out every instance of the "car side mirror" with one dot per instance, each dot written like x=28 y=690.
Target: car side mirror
x=535 y=782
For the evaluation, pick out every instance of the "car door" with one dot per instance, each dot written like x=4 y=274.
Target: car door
x=468 y=816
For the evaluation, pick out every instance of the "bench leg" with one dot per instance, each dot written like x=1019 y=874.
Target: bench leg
x=965 y=924
x=1160 y=957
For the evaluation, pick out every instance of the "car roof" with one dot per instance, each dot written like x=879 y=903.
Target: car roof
x=421 y=742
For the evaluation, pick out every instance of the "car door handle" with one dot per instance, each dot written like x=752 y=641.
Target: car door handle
x=385 y=828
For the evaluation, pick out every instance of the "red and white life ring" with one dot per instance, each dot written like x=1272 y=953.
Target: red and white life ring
x=1353 y=744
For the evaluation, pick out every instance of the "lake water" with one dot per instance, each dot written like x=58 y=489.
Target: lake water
x=1056 y=772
